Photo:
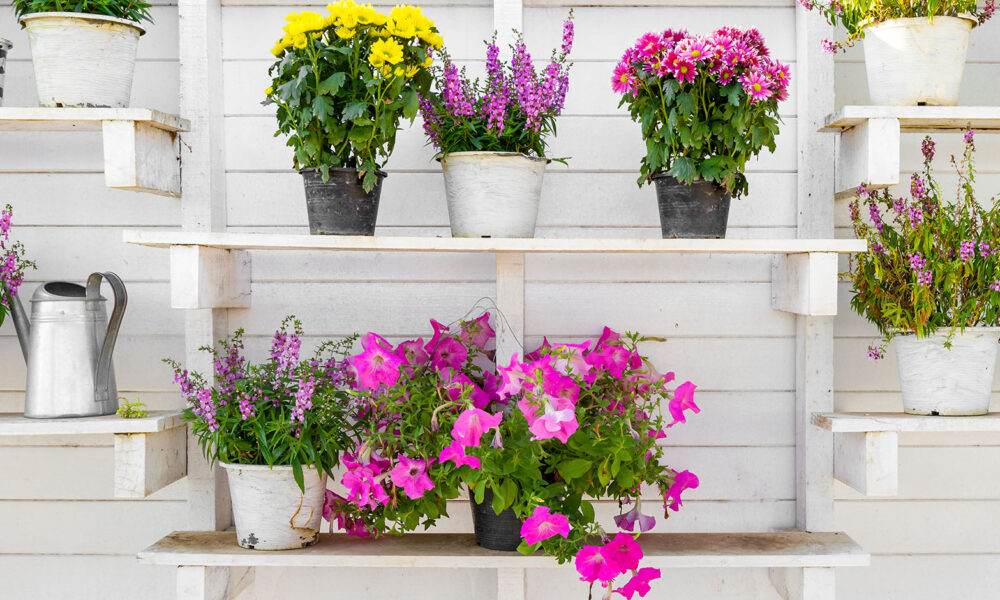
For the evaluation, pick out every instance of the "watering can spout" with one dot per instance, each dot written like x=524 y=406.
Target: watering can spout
x=21 y=323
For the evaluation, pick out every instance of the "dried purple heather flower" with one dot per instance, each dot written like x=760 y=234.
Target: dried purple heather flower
x=927 y=148
x=876 y=217
x=875 y=353
x=967 y=251
x=970 y=136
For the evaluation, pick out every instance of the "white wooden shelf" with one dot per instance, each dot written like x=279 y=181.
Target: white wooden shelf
x=150 y=452
x=213 y=270
x=868 y=151
x=866 y=445
x=205 y=556
x=141 y=146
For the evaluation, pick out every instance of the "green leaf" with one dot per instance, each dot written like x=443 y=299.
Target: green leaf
x=480 y=492
x=353 y=110
x=683 y=169
x=573 y=468
x=411 y=103
x=297 y=473
x=498 y=503
x=332 y=84
x=509 y=489
x=686 y=104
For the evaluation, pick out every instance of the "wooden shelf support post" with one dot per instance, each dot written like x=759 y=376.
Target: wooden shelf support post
x=868 y=153
x=511 y=584
x=805 y=283
x=142 y=158
x=147 y=462
x=212 y=583
x=868 y=461
x=812 y=583
x=203 y=277
x=510 y=301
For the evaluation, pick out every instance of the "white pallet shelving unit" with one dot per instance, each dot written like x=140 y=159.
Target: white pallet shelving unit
x=211 y=272
x=150 y=452
x=141 y=146
x=869 y=140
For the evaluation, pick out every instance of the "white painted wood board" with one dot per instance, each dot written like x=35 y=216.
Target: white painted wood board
x=919 y=119
x=84 y=119
x=16 y=424
x=901 y=422
x=783 y=549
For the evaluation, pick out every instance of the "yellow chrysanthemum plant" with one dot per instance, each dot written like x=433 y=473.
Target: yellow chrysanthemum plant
x=343 y=81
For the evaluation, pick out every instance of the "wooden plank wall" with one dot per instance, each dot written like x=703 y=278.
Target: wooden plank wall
x=56 y=513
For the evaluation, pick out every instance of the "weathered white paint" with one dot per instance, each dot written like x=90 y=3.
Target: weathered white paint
x=868 y=462
x=510 y=307
x=867 y=154
x=270 y=511
x=917 y=119
x=145 y=463
x=805 y=284
x=82 y=59
x=493 y=194
x=203 y=277
x=955 y=381
x=917 y=60
x=5 y=47
x=511 y=584
x=154 y=422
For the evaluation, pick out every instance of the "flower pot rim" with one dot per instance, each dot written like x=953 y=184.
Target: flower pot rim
x=340 y=169
x=493 y=153
x=82 y=16
x=944 y=332
x=258 y=467
x=906 y=21
x=7 y=44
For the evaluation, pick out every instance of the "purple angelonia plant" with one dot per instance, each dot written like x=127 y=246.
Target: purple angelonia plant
x=12 y=262
x=513 y=109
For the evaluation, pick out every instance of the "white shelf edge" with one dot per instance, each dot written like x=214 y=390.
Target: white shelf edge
x=156 y=421
x=864 y=422
x=34 y=118
x=918 y=118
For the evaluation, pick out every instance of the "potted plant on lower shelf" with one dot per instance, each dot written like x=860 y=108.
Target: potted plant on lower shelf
x=341 y=84
x=914 y=51
x=277 y=428
x=707 y=105
x=12 y=264
x=83 y=52
x=491 y=137
x=930 y=283
x=534 y=445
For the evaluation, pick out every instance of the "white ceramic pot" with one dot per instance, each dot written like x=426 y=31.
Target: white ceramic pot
x=493 y=194
x=916 y=61
x=5 y=46
x=82 y=59
x=938 y=381
x=270 y=511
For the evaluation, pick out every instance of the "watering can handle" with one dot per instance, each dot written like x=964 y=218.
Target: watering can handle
x=103 y=375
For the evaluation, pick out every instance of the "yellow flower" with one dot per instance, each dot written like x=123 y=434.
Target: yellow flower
x=412 y=70
x=385 y=51
x=269 y=91
x=300 y=41
x=365 y=14
x=304 y=22
x=427 y=62
x=399 y=71
x=433 y=39
x=344 y=33
x=387 y=71
x=379 y=19
x=404 y=29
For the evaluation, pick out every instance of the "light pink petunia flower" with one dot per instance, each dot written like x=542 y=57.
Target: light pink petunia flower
x=411 y=475
x=471 y=424
x=378 y=364
x=542 y=525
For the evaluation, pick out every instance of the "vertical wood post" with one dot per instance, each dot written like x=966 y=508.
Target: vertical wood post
x=510 y=584
x=203 y=193
x=510 y=301
x=814 y=334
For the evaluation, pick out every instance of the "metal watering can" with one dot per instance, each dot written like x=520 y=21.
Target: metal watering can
x=68 y=347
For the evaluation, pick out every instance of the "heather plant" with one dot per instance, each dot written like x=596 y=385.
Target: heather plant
x=513 y=109
x=12 y=262
x=706 y=104
x=131 y=10
x=932 y=265
x=343 y=82
x=546 y=436
x=285 y=411
x=855 y=15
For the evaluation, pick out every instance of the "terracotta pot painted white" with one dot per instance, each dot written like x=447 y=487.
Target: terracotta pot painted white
x=270 y=511
x=493 y=194
x=5 y=46
x=916 y=61
x=938 y=381
x=82 y=59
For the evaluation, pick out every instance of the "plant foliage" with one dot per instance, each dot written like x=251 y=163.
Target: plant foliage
x=131 y=10
x=12 y=262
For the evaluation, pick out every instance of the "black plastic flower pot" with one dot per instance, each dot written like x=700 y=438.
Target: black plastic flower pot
x=493 y=531
x=340 y=205
x=698 y=210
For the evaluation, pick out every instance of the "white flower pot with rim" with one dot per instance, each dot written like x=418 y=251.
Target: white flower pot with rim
x=938 y=381
x=916 y=60
x=82 y=59
x=270 y=511
x=493 y=194
x=5 y=46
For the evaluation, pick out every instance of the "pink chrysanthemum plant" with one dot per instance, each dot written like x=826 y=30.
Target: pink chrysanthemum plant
x=547 y=435
x=707 y=104
x=12 y=262
x=513 y=109
x=288 y=410
x=856 y=15
x=932 y=264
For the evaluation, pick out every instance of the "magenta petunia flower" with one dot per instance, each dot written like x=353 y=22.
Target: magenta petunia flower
x=623 y=551
x=471 y=424
x=628 y=520
x=685 y=480
x=456 y=453
x=558 y=419
x=364 y=484
x=334 y=513
x=683 y=400
x=411 y=475
x=593 y=565
x=439 y=331
x=639 y=583
x=511 y=377
x=571 y=360
x=542 y=525
x=478 y=331
x=449 y=353
x=756 y=85
x=458 y=384
x=413 y=352
x=378 y=364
